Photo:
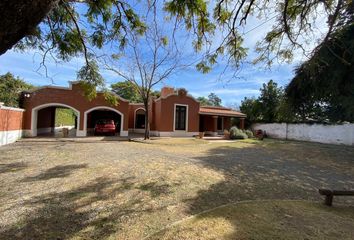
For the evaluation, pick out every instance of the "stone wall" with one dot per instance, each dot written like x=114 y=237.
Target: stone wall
x=332 y=134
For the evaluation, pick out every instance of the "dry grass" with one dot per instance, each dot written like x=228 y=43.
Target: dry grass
x=266 y=220
x=127 y=190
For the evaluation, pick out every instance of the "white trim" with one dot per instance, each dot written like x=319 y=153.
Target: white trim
x=175 y=94
x=211 y=133
x=34 y=117
x=142 y=104
x=121 y=132
x=80 y=133
x=11 y=108
x=174 y=117
x=48 y=86
x=173 y=134
x=135 y=117
x=136 y=130
x=224 y=115
x=124 y=133
x=70 y=88
x=7 y=137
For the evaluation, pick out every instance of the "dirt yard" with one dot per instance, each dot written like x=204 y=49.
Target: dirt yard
x=130 y=190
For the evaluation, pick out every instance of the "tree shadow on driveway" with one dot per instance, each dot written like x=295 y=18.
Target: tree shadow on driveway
x=12 y=167
x=254 y=173
x=56 y=172
x=88 y=212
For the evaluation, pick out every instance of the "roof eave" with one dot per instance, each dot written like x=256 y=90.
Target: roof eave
x=224 y=115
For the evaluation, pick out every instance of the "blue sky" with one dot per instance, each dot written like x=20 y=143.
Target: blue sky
x=231 y=91
x=247 y=84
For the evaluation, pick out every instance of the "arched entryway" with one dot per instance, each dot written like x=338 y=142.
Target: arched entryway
x=139 y=120
x=45 y=119
x=95 y=114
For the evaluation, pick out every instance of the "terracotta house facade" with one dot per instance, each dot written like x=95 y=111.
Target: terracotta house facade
x=175 y=113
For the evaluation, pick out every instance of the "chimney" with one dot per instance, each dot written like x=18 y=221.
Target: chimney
x=165 y=91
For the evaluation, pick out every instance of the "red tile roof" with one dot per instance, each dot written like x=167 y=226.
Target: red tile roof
x=220 y=111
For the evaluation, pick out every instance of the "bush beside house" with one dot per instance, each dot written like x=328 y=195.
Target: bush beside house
x=236 y=133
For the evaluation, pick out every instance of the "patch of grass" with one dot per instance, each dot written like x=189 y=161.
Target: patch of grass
x=266 y=220
x=64 y=117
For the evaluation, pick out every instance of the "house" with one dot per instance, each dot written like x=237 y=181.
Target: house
x=174 y=113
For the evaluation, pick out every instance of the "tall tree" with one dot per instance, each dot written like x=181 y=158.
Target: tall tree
x=129 y=91
x=323 y=87
x=270 y=106
x=203 y=101
x=270 y=99
x=148 y=60
x=252 y=108
x=11 y=88
x=214 y=100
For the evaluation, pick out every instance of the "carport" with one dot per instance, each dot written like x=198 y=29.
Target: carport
x=40 y=105
x=43 y=120
x=102 y=113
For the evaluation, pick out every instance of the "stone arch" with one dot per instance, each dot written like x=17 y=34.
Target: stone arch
x=135 y=113
x=34 y=116
x=122 y=132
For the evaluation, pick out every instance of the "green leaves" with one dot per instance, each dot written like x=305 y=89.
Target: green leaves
x=203 y=67
x=91 y=79
x=11 y=88
x=164 y=41
x=195 y=16
x=270 y=106
x=212 y=100
x=323 y=87
x=127 y=90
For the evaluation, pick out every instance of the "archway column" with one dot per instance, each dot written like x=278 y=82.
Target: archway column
x=242 y=123
x=81 y=132
x=215 y=125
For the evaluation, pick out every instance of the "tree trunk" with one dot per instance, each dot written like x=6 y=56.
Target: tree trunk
x=147 y=122
x=19 y=18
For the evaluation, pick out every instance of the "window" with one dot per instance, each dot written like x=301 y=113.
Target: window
x=140 y=119
x=180 y=117
x=220 y=125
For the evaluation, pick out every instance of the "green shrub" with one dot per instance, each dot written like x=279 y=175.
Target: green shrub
x=236 y=133
x=249 y=133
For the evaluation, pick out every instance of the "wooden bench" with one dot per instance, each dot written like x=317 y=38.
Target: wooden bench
x=330 y=193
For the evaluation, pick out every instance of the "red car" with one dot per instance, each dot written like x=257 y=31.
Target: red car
x=105 y=127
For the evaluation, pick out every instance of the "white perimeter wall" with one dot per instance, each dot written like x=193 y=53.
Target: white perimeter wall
x=332 y=134
x=7 y=137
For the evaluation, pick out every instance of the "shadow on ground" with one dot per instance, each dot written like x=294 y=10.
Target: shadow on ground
x=256 y=173
x=56 y=172
x=121 y=206
x=74 y=213
x=12 y=167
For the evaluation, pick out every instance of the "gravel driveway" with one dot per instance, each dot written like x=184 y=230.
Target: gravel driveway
x=128 y=190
